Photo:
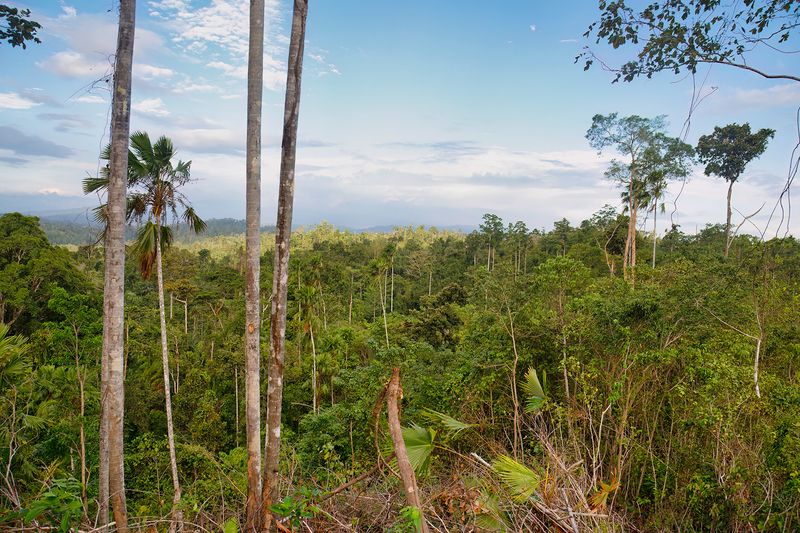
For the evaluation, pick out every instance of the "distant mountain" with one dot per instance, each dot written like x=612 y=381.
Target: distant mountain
x=461 y=228
x=77 y=226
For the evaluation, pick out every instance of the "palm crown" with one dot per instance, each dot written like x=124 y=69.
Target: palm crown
x=154 y=195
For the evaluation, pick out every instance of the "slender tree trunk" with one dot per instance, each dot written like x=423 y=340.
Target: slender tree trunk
x=383 y=310
x=391 y=292
x=236 y=398
x=403 y=463
x=255 y=83
x=177 y=514
x=728 y=220
x=280 y=279
x=82 y=434
x=655 y=233
x=755 y=366
x=350 y=306
x=430 y=281
x=514 y=394
x=313 y=368
x=112 y=388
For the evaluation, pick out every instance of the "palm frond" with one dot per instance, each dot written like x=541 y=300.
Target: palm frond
x=144 y=247
x=450 y=423
x=163 y=152
x=195 y=223
x=419 y=445
x=94 y=183
x=142 y=147
x=520 y=480
x=534 y=393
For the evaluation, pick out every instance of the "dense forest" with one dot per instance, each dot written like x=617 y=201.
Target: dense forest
x=528 y=365
x=170 y=373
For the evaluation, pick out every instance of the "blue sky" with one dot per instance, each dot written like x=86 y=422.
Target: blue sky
x=412 y=112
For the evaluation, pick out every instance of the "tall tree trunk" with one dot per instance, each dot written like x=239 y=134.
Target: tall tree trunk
x=314 y=405
x=391 y=292
x=112 y=388
x=728 y=220
x=655 y=232
x=280 y=278
x=350 y=306
x=82 y=432
x=383 y=309
x=255 y=84
x=177 y=515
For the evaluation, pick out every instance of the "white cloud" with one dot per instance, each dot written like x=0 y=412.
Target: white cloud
x=189 y=87
x=16 y=101
x=532 y=27
x=209 y=140
x=149 y=72
x=219 y=31
x=91 y=99
x=71 y=64
x=239 y=71
x=151 y=106
x=784 y=94
x=69 y=11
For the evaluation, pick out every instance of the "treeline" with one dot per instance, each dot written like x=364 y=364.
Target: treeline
x=537 y=383
x=78 y=234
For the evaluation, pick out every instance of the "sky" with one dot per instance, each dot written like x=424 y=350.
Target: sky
x=412 y=112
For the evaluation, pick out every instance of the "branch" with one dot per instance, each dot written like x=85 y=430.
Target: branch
x=751 y=69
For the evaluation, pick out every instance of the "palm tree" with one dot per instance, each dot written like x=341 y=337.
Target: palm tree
x=155 y=198
x=255 y=77
x=112 y=387
x=280 y=274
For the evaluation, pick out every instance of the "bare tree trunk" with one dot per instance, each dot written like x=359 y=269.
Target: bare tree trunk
x=255 y=78
x=728 y=220
x=655 y=233
x=755 y=366
x=313 y=368
x=403 y=464
x=383 y=310
x=391 y=292
x=112 y=388
x=350 y=307
x=82 y=432
x=236 y=396
x=280 y=278
x=177 y=515
x=514 y=393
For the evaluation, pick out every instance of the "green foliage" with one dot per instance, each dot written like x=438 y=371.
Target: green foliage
x=410 y=521
x=299 y=509
x=419 y=443
x=518 y=479
x=681 y=35
x=16 y=27
x=60 y=506
x=534 y=393
x=727 y=151
x=671 y=384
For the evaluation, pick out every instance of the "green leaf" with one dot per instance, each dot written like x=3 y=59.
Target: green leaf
x=534 y=392
x=450 y=423
x=230 y=526
x=520 y=480
x=419 y=445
